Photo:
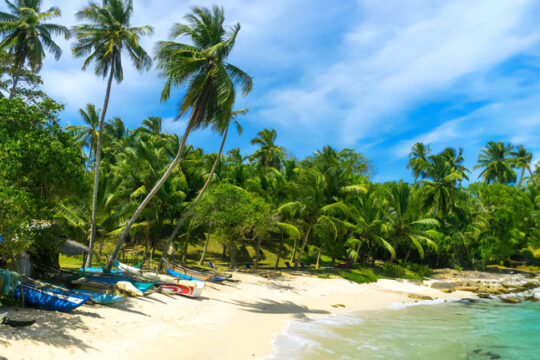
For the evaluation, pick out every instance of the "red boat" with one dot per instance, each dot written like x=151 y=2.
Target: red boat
x=186 y=288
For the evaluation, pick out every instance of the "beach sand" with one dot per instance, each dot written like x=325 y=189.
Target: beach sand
x=235 y=320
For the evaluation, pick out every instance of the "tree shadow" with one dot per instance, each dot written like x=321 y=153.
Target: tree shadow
x=267 y=306
x=51 y=327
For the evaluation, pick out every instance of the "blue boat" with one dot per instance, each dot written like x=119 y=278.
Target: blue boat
x=97 y=297
x=142 y=286
x=187 y=273
x=49 y=298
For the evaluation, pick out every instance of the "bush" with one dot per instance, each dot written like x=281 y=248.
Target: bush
x=394 y=270
x=420 y=269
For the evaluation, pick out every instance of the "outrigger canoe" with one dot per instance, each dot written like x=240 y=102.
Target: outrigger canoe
x=167 y=283
x=49 y=298
x=96 y=297
x=187 y=273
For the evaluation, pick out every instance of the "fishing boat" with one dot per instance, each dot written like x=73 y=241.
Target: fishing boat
x=49 y=298
x=95 y=296
x=183 y=287
x=167 y=283
x=187 y=273
x=77 y=277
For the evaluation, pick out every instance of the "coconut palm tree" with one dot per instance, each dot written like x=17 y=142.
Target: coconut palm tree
x=269 y=154
x=418 y=159
x=406 y=222
x=87 y=136
x=210 y=81
x=25 y=35
x=108 y=33
x=496 y=162
x=210 y=175
x=522 y=160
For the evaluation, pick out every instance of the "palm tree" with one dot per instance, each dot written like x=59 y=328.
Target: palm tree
x=269 y=155
x=522 y=160
x=418 y=159
x=496 y=163
x=87 y=136
x=210 y=93
x=405 y=217
x=102 y=40
x=25 y=35
x=210 y=175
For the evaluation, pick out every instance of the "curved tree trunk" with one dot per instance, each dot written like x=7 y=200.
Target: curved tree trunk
x=521 y=177
x=150 y=195
x=279 y=252
x=306 y=238
x=205 y=248
x=318 y=258
x=96 y=169
x=257 y=249
x=293 y=255
x=197 y=199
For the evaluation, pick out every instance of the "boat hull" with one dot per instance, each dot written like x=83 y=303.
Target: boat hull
x=50 y=298
x=192 y=290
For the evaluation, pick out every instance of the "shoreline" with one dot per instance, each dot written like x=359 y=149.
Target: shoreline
x=238 y=319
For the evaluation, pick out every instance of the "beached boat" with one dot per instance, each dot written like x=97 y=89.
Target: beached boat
x=95 y=296
x=167 y=283
x=187 y=273
x=183 y=287
x=49 y=298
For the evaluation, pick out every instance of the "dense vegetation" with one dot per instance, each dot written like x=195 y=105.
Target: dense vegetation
x=155 y=190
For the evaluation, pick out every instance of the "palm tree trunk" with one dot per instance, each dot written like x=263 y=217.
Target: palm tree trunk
x=306 y=238
x=199 y=196
x=521 y=177
x=149 y=197
x=279 y=252
x=257 y=249
x=96 y=169
x=16 y=78
x=294 y=249
x=205 y=248
x=318 y=258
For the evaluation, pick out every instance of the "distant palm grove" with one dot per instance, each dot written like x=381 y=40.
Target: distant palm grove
x=115 y=189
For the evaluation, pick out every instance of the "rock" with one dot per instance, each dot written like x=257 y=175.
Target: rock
x=420 y=297
x=471 y=288
x=448 y=291
x=338 y=306
x=442 y=285
x=510 y=300
x=484 y=296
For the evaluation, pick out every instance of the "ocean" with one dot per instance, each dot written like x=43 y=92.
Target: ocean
x=482 y=329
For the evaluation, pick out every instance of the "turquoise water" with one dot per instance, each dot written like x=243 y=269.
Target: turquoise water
x=486 y=329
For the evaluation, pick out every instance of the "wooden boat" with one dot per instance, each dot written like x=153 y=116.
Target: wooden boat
x=183 y=287
x=75 y=278
x=96 y=297
x=49 y=298
x=187 y=273
x=167 y=283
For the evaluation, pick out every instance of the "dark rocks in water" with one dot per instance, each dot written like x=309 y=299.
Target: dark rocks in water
x=510 y=300
x=493 y=356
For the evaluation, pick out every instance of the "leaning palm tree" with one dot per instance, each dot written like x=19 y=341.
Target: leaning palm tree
x=497 y=164
x=210 y=175
x=210 y=81
x=25 y=35
x=102 y=40
x=522 y=160
x=87 y=136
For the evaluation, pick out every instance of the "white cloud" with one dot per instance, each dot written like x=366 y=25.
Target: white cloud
x=399 y=56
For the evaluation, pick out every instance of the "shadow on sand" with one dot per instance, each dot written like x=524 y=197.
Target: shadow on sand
x=51 y=327
x=267 y=306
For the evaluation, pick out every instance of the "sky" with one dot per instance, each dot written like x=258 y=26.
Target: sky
x=375 y=76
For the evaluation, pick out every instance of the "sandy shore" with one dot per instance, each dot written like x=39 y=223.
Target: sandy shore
x=235 y=320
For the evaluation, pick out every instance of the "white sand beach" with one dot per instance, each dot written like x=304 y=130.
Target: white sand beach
x=235 y=320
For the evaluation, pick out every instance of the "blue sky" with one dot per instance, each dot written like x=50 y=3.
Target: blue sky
x=376 y=76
